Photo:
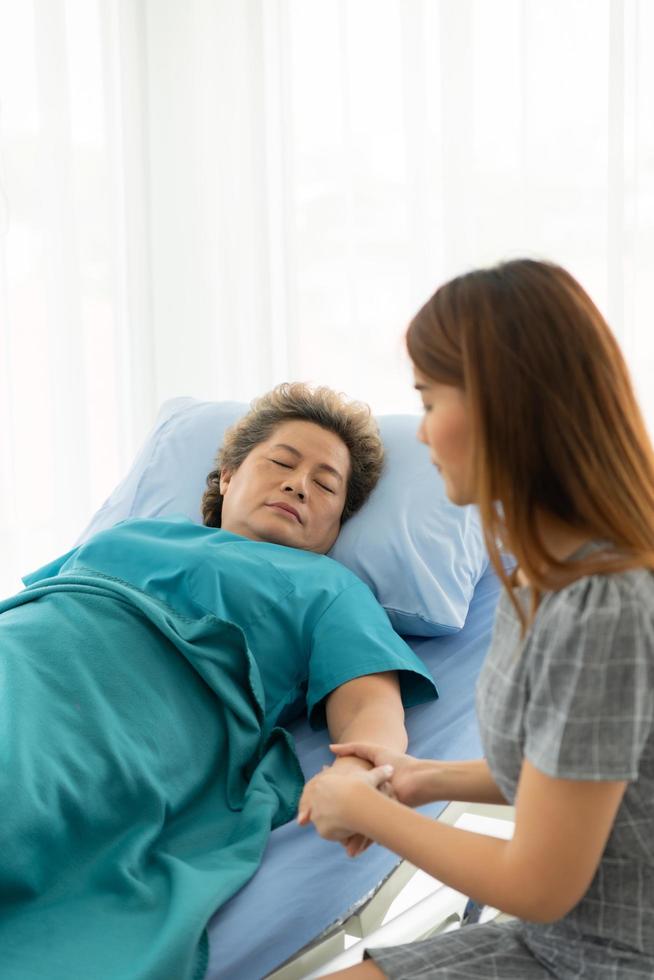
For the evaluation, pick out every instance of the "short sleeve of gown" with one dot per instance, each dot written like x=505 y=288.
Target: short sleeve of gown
x=48 y=571
x=352 y=638
x=591 y=699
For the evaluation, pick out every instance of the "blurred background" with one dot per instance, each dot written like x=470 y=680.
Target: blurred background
x=208 y=197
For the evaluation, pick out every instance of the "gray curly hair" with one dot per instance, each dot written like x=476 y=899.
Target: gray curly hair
x=351 y=421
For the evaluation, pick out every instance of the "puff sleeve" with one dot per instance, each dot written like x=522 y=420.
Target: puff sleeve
x=591 y=683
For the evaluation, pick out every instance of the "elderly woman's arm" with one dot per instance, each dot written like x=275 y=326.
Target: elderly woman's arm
x=367 y=708
x=370 y=705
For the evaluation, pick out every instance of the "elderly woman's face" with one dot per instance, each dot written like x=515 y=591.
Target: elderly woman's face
x=290 y=489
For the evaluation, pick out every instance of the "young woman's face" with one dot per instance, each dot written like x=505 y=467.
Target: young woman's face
x=445 y=429
x=290 y=489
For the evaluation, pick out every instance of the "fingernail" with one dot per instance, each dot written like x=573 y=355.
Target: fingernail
x=388 y=770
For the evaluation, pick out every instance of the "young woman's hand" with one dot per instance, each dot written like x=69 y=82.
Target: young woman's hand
x=408 y=783
x=327 y=801
x=357 y=843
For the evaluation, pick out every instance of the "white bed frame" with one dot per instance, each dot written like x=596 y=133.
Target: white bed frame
x=370 y=925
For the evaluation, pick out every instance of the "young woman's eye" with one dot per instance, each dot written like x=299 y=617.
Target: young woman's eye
x=287 y=466
x=324 y=487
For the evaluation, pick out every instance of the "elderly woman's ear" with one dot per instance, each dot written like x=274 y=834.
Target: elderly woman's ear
x=225 y=477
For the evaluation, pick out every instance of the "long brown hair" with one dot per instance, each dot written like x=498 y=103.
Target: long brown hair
x=555 y=424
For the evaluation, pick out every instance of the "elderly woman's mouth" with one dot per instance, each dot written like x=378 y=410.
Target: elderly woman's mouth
x=286 y=509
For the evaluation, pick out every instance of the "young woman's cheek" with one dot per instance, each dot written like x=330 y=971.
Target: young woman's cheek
x=437 y=434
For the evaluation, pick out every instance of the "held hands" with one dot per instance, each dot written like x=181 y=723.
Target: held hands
x=407 y=783
x=331 y=801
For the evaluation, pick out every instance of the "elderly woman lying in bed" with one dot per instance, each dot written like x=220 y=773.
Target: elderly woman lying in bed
x=144 y=677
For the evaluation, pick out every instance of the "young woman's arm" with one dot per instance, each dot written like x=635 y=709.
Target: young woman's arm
x=561 y=830
x=418 y=781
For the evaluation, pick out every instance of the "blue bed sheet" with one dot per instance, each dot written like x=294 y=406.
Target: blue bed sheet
x=304 y=883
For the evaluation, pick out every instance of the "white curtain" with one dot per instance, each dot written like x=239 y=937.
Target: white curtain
x=75 y=323
x=206 y=197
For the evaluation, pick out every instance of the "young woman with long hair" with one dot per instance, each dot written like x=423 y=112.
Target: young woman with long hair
x=530 y=415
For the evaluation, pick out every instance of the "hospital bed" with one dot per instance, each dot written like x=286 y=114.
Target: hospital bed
x=306 y=886
x=425 y=561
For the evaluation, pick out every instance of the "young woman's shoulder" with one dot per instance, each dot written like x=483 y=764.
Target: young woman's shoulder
x=590 y=666
x=593 y=641
x=614 y=597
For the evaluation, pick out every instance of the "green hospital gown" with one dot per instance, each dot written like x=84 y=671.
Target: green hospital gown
x=143 y=678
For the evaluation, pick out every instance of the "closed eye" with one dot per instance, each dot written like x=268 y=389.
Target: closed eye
x=288 y=466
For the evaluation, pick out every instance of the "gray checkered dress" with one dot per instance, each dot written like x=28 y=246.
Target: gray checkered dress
x=576 y=698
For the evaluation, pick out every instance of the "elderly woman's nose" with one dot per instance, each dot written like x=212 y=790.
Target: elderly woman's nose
x=297 y=483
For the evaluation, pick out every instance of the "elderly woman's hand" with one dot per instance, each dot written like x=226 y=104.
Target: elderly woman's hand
x=329 y=801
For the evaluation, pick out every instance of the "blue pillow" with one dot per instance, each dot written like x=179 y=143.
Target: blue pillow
x=420 y=554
